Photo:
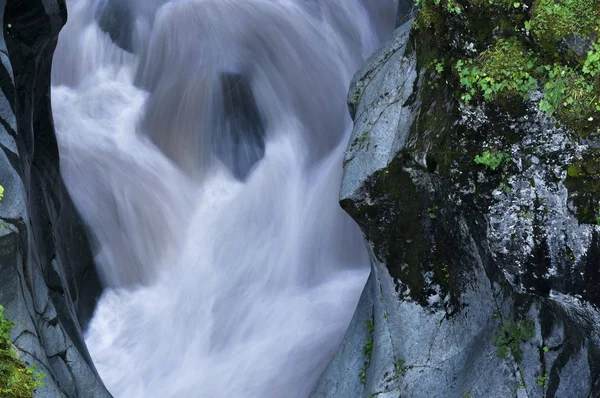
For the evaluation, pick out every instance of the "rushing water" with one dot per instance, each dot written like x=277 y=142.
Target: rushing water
x=202 y=141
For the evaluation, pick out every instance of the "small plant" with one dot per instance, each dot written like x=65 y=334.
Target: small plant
x=438 y=66
x=545 y=349
x=511 y=336
x=399 y=367
x=363 y=376
x=492 y=160
x=16 y=379
x=554 y=89
x=1 y=192
x=432 y=212
x=503 y=187
x=592 y=62
x=525 y=215
x=541 y=381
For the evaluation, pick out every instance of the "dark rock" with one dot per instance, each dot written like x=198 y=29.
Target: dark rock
x=240 y=140
x=116 y=19
x=577 y=44
x=483 y=283
x=48 y=284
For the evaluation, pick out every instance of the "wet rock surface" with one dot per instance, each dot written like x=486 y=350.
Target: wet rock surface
x=48 y=283
x=484 y=280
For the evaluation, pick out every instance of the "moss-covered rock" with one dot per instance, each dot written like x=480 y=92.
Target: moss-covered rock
x=565 y=24
x=480 y=211
x=501 y=49
x=16 y=379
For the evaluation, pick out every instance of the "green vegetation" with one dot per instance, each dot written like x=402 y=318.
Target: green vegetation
x=367 y=350
x=16 y=379
x=492 y=160
x=591 y=65
x=511 y=336
x=553 y=20
x=1 y=192
x=541 y=381
x=438 y=66
x=501 y=71
x=400 y=367
x=432 y=212
x=571 y=95
x=527 y=216
x=503 y=187
x=517 y=48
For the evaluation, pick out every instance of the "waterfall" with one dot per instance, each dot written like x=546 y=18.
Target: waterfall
x=202 y=142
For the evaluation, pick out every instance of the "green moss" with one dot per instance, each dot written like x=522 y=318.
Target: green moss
x=509 y=69
x=573 y=97
x=573 y=171
x=553 y=20
x=367 y=350
x=16 y=379
x=511 y=65
x=506 y=69
x=429 y=17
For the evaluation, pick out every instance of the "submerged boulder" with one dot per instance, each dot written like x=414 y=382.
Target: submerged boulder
x=240 y=141
x=480 y=211
x=48 y=283
x=116 y=19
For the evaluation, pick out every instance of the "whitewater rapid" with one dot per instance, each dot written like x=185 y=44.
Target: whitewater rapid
x=202 y=141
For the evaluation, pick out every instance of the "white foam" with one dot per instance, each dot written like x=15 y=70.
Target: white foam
x=217 y=287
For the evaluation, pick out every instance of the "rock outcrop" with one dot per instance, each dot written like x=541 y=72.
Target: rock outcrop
x=48 y=284
x=481 y=224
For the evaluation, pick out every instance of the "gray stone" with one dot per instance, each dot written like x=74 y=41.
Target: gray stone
x=45 y=258
x=455 y=258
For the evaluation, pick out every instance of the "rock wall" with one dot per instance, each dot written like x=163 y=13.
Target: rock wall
x=484 y=282
x=48 y=283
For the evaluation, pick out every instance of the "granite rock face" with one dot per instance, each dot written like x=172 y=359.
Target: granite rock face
x=48 y=283
x=484 y=283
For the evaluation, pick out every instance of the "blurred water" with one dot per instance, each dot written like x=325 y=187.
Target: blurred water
x=202 y=141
